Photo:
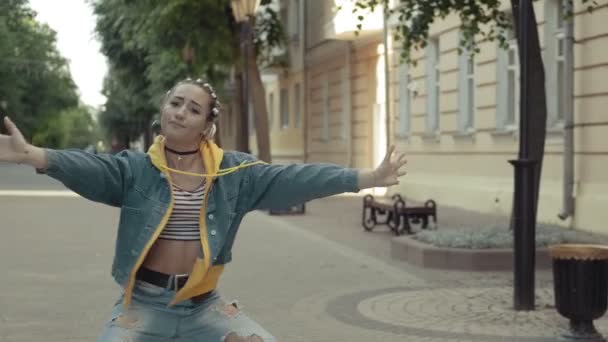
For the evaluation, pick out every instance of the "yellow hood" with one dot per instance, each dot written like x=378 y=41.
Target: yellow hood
x=211 y=153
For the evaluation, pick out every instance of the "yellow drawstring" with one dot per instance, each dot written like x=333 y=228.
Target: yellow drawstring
x=220 y=173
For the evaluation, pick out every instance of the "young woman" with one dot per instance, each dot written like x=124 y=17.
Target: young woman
x=181 y=204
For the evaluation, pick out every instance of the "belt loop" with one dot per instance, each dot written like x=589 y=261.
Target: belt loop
x=170 y=283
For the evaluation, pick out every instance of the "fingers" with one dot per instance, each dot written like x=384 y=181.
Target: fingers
x=393 y=166
x=6 y=122
x=10 y=126
x=389 y=153
x=398 y=164
x=13 y=132
x=402 y=160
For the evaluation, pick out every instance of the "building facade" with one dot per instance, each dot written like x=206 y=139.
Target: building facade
x=456 y=117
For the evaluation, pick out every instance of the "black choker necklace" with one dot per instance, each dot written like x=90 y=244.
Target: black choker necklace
x=184 y=153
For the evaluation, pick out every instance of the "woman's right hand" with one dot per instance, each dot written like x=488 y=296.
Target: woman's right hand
x=13 y=147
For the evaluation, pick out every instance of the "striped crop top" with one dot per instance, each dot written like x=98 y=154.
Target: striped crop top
x=184 y=221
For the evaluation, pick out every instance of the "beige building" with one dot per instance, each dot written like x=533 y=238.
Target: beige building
x=456 y=117
x=330 y=82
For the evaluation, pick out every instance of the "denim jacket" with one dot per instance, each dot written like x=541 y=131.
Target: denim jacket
x=140 y=185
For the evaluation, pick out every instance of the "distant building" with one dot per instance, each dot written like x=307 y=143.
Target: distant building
x=456 y=118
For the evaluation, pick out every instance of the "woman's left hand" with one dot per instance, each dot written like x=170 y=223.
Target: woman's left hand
x=391 y=168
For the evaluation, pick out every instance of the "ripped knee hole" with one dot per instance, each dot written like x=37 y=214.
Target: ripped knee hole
x=127 y=321
x=230 y=310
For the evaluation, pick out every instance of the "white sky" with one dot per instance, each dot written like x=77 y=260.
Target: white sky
x=74 y=23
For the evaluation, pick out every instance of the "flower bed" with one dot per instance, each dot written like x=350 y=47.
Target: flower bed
x=502 y=237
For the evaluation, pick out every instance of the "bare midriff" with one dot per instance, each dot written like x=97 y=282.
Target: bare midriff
x=172 y=256
x=176 y=256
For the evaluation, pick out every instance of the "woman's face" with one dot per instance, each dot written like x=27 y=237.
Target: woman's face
x=184 y=115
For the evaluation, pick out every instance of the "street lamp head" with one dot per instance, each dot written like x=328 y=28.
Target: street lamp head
x=243 y=9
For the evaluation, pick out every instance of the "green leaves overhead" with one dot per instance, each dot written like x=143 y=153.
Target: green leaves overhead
x=414 y=18
x=480 y=20
x=151 y=44
x=36 y=85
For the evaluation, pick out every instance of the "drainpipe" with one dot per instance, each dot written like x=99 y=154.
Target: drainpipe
x=348 y=103
x=387 y=80
x=304 y=89
x=568 y=178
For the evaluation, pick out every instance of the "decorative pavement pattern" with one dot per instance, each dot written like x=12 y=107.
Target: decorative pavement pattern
x=468 y=314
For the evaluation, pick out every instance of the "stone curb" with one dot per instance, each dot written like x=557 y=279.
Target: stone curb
x=428 y=256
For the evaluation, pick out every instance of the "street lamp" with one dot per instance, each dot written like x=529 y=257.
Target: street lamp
x=244 y=11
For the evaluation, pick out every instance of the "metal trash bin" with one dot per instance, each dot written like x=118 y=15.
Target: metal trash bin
x=580 y=280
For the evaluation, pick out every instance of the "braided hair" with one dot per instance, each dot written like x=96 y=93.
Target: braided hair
x=214 y=110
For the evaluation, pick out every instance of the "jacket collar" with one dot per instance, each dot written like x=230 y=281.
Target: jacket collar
x=211 y=153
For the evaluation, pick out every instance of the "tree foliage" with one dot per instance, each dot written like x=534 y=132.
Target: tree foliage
x=72 y=128
x=36 y=87
x=152 y=44
x=269 y=36
x=479 y=20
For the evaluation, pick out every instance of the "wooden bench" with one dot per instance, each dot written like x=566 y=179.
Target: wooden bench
x=396 y=215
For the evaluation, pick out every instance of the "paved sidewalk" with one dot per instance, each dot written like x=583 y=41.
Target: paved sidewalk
x=313 y=278
x=338 y=218
x=449 y=305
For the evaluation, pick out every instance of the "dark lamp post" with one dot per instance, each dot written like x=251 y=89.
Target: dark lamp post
x=524 y=223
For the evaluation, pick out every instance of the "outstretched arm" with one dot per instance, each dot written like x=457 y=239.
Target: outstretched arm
x=100 y=178
x=274 y=186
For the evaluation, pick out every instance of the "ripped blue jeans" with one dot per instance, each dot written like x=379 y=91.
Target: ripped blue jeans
x=149 y=319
